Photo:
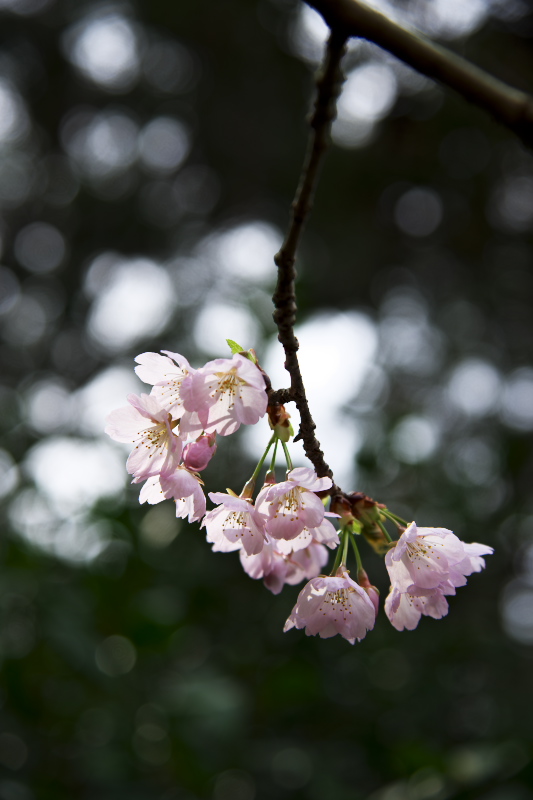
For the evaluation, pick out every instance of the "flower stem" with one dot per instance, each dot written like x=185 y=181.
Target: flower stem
x=384 y=530
x=273 y=461
x=257 y=470
x=346 y=539
x=394 y=517
x=356 y=551
x=287 y=456
x=338 y=556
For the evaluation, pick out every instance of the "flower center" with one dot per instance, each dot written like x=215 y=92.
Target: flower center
x=291 y=503
x=236 y=519
x=155 y=438
x=421 y=551
x=228 y=382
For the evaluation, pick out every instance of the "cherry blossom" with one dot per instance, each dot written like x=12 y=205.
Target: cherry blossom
x=278 y=568
x=167 y=374
x=150 y=428
x=292 y=505
x=324 y=533
x=331 y=605
x=226 y=393
x=181 y=486
x=236 y=520
x=404 y=609
x=425 y=558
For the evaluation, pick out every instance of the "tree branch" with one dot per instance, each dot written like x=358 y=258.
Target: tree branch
x=507 y=105
x=329 y=82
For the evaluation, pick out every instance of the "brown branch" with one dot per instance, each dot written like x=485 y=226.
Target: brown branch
x=329 y=82
x=507 y=105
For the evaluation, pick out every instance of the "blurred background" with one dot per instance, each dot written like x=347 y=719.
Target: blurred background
x=148 y=156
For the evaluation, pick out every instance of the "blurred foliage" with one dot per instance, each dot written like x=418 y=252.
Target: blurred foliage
x=136 y=663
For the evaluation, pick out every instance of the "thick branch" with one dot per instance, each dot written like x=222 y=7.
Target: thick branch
x=329 y=83
x=509 y=106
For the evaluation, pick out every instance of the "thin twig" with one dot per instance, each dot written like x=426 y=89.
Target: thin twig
x=329 y=82
x=506 y=104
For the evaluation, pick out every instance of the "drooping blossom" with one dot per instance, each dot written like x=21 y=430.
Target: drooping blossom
x=150 y=428
x=278 y=568
x=425 y=566
x=235 y=520
x=166 y=373
x=404 y=609
x=225 y=394
x=331 y=605
x=292 y=505
x=428 y=557
x=181 y=486
x=198 y=454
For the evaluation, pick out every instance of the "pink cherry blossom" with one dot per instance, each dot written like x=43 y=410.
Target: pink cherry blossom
x=226 y=393
x=324 y=533
x=425 y=566
x=404 y=609
x=181 y=486
x=277 y=568
x=236 y=520
x=425 y=558
x=331 y=605
x=149 y=427
x=198 y=454
x=166 y=374
x=292 y=505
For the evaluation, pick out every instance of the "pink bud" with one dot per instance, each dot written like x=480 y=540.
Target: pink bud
x=198 y=454
x=372 y=592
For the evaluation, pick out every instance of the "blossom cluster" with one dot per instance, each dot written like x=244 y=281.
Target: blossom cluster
x=174 y=428
x=284 y=534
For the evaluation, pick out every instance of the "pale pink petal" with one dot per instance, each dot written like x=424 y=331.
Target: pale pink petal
x=151 y=492
x=307 y=477
x=213 y=522
x=331 y=605
x=125 y=424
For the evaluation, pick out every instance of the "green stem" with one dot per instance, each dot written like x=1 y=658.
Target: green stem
x=287 y=456
x=273 y=461
x=345 y=541
x=257 y=470
x=356 y=551
x=384 y=531
x=338 y=557
x=394 y=517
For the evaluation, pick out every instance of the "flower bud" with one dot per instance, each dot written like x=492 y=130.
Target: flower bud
x=372 y=591
x=198 y=454
x=341 y=506
x=278 y=419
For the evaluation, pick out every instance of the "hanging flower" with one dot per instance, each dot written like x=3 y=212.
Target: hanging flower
x=278 y=568
x=404 y=609
x=226 y=393
x=425 y=558
x=235 y=520
x=331 y=605
x=150 y=428
x=292 y=505
x=181 y=486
